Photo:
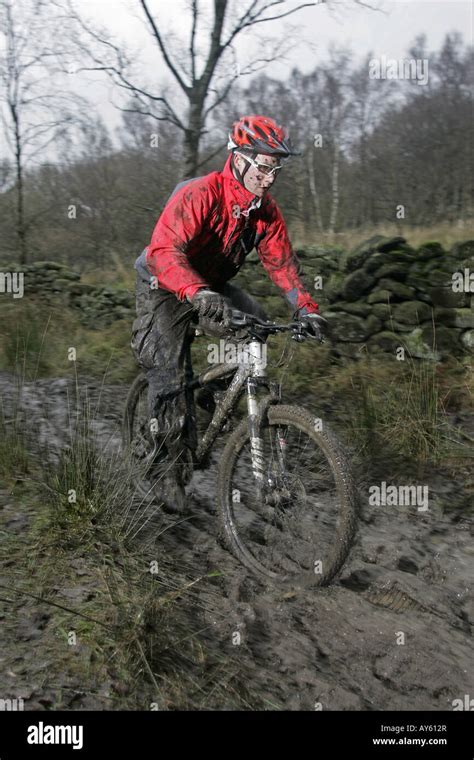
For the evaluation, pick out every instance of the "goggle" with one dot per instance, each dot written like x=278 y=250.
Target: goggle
x=262 y=168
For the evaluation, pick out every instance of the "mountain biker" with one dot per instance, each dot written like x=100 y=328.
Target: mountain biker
x=200 y=241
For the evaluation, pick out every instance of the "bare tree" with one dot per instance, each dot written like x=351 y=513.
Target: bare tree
x=203 y=79
x=326 y=108
x=369 y=98
x=33 y=112
x=5 y=174
x=318 y=108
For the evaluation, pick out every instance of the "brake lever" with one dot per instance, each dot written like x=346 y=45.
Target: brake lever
x=303 y=335
x=237 y=319
x=318 y=340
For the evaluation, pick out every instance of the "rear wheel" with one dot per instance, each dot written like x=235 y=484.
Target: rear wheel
x=138 y=440
x=298 y=526
x=136 y=435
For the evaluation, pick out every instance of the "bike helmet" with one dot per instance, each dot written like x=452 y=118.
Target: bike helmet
x=260 y=134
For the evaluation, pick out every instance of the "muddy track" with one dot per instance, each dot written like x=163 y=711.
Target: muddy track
x=392 y=633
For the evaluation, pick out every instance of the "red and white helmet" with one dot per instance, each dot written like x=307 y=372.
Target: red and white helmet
x=260 y=134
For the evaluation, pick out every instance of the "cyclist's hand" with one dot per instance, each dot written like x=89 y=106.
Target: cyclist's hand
x=211 y=305
x=315 y=325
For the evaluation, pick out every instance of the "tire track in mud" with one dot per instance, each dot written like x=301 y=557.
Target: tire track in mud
x=393 y=633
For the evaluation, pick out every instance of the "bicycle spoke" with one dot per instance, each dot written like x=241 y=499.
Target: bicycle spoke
x=290 y=527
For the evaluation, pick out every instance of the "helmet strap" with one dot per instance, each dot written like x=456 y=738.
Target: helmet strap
x=240 y=175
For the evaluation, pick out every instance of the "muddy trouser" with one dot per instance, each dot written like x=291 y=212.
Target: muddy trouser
x=161 y=343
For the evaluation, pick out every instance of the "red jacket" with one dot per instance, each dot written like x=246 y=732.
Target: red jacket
x=206 y=230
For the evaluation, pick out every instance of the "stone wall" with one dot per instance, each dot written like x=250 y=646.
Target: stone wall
x=382 y=295
x=55 y=284
x=385 y=294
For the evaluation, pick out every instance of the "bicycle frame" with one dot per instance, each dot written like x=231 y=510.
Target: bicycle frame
x=248 y=368
x=249 y=373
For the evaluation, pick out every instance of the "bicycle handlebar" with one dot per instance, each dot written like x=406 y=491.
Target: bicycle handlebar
x=240 y=319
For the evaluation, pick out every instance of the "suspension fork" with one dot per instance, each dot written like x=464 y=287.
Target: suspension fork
x=256 y=440
x=257 y=411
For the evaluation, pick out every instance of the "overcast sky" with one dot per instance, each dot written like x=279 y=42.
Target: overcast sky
x=386 y=33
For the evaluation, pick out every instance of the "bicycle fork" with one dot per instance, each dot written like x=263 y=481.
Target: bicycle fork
x=256 y=412
x=256 y=441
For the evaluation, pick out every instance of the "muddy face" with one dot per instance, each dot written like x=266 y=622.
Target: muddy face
x=255 y=181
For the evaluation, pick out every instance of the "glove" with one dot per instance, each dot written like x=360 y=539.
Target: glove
x=211 y=305
x=315 y=324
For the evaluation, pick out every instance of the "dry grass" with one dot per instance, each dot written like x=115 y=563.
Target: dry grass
x=389 y=411
x=446 y=233
x=140 y=629
x=36 y=340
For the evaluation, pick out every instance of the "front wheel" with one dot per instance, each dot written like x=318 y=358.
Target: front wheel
x=294 y=524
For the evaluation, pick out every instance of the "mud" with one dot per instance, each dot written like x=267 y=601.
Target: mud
x=393 y=632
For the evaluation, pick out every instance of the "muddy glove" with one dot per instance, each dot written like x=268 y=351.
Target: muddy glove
x=211 y=305
x=315 y=324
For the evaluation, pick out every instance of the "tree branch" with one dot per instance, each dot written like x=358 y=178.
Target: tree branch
x=211 y=155
x=164 y=52
x=192 y=51
x=249 y=19
x=152 y=115
x=118 y=77
x=282 y=15
x=221 y=97
x=216 y=48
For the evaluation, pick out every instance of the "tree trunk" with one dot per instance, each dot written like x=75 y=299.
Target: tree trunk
x=335 y=189
x=192 y=138
x=20 y=213
x=315 y=195
x=298 y=231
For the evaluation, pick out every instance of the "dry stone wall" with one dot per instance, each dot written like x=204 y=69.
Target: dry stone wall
x=55 y=284
x=385 y=294
x=382 y=295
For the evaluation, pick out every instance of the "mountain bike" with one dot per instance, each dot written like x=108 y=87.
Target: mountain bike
x=287 y=502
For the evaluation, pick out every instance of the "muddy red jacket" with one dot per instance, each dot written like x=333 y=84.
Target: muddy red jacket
x=208 y=227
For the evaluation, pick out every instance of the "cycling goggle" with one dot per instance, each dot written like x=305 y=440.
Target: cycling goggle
x=265 y=169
